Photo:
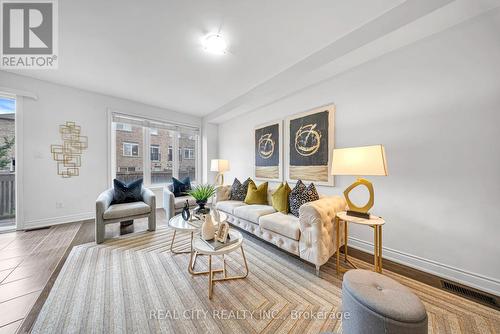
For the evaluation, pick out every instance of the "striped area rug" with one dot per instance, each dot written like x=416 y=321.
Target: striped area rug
x=135 y=284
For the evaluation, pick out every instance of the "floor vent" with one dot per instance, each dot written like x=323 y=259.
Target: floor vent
x=470 y=294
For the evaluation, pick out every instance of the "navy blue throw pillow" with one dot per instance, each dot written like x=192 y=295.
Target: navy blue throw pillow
x=127 y=192
x=181 y=187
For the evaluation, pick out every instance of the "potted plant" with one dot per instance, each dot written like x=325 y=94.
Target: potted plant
x=201 y=194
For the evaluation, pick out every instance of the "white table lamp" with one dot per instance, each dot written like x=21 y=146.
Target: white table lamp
x=357 y=161
x=220 y=166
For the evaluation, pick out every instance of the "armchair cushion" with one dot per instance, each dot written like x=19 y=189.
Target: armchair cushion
x=179 y=202
x=126 y=210
x=127 y=192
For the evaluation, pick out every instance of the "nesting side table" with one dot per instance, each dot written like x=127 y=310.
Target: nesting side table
x=374 y=222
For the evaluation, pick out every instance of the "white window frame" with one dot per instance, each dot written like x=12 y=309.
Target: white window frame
x=124 y=127
x=131 y=149
x=146 y=158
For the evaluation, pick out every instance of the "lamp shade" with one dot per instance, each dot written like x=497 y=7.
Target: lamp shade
x=358 y=161
x=219 y=165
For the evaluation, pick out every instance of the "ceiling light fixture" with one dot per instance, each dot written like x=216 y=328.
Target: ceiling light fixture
x=215 y=44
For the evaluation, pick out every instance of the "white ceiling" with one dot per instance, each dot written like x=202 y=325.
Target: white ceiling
x=150 y=51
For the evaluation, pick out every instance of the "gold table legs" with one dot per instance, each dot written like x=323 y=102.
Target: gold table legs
x=180 y=252
x=211 y=272
x=377 y=238
x=378 y=248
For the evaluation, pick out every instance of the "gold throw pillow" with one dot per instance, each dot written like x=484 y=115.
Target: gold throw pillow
x=280 y=198
x=256 y=195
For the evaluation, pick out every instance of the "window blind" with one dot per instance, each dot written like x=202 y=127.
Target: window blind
x=119 y=118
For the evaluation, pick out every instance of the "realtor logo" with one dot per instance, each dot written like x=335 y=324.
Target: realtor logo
x=29 y=34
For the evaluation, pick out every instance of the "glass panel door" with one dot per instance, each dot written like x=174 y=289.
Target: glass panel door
x=7 y=163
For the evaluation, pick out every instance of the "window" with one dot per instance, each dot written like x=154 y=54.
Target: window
x=189 y=153
x=132 y=135
x=155 y=153
x=124 y=127
x=170 y=152
x=130 y=150
x=187 y=144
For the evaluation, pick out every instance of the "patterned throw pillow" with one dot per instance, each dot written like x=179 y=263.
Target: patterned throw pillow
x=239 y=190
x=301 y=195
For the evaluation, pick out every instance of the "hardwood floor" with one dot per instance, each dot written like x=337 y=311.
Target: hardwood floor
x=27 y=260
x=30 y=263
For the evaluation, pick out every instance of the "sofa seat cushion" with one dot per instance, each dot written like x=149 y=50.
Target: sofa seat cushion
x=179 y=202
x=286 y=225
x=228 y=206
x=253 y=212
x=126 y=210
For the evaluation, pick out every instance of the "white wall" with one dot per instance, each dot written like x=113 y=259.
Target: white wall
x=210 y=149
x=435 y=106
x=56 y=104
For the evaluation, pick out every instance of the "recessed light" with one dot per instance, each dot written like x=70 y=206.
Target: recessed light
x=215 y=44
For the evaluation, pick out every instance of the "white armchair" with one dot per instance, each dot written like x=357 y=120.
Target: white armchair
x=174 y=205
x=108 y=214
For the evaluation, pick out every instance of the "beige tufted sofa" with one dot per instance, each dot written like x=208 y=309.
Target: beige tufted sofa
x=311 y=236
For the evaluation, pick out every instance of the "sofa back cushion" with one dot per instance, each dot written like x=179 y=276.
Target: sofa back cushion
x=301 y=195
x=280 y=198
x=239 y=190
x=256 y=195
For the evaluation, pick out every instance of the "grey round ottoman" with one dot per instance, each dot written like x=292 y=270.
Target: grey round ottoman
x=373 y=303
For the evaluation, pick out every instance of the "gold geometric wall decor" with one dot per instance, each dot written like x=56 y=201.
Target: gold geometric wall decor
x=69 y=155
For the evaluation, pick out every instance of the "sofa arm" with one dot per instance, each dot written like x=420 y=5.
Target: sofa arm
x=317 y=229
x=168 y=203
x=222 y=193
x=103 y=202
x=149 y=198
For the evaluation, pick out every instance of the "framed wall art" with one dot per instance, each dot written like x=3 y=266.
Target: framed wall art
x=309 y=144
x=268 y=151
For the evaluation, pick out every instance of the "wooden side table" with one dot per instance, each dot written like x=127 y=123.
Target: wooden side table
x=374 y=222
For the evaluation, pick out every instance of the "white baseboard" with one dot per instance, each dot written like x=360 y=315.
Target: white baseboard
x=38 y=223
x=481 y=282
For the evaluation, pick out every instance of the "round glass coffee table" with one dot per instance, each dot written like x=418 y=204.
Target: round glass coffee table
x=200 y=247
x=180 y=225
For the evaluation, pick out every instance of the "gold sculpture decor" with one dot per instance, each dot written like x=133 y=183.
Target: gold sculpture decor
x=69 y=155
